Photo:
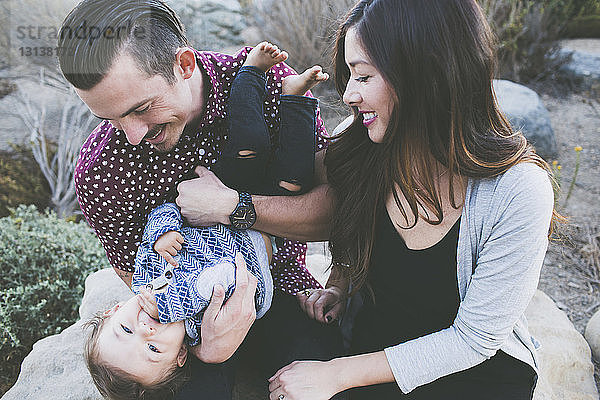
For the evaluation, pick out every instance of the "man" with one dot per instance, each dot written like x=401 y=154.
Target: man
x=163 y=110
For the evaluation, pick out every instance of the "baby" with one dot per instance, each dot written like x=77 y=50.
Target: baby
x=139 y=348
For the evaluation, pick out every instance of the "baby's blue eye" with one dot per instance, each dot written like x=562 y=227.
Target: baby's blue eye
x=153 y=348
x=126 y=329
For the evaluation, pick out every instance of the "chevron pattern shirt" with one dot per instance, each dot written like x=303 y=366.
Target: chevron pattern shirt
x=206 y=258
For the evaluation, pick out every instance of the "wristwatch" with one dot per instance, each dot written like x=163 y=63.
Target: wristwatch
x=244 y=215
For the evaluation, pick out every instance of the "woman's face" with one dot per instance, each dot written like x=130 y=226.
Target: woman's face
x=366 y=89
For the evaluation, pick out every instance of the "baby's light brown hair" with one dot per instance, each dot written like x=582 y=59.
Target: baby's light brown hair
x=116 y=384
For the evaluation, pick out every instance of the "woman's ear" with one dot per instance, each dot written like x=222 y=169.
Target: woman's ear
x=182 y=356
x=111 y=311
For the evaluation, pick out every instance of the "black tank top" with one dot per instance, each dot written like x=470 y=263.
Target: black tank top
x=415 y=291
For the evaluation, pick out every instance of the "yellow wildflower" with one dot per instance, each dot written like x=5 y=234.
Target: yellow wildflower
x=578 y=148
x=554 y=163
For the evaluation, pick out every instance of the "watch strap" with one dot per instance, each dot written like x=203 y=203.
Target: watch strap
x=245 y=198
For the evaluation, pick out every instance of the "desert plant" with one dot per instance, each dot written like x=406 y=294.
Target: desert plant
x=306 y=30
x=57 y=159
x=557 y=175
x=578 y=150
x=44 y=262
x=580 y=8
x=585 y=26
x=19 y=183
x=527 y=32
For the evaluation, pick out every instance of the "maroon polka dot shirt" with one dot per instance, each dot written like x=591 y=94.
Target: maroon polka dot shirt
x=118 y=184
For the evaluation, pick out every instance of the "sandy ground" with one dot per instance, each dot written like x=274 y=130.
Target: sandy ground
x=571 y=271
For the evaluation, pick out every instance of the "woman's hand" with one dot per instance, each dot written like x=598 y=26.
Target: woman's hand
x=224 y=328
x=324 y=305
x=304 y=380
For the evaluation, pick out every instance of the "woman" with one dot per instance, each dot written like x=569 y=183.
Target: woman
x=442 y=215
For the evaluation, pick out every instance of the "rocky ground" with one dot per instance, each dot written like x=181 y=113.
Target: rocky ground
x=571 y=272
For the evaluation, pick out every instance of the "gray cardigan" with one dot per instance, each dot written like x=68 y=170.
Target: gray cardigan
x=501 y=247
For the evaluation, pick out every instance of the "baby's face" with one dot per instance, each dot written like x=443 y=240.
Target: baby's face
x=139 y=345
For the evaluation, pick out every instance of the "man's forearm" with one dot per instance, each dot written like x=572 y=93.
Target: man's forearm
x=306 y=217
x=124 y=275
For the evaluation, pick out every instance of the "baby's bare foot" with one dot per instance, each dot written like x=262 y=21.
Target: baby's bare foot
x=265 y=55
x=300 y=84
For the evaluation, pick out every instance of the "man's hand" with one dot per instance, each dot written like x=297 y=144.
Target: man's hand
x=168 y=245
x=224 y=328
x=205 y=200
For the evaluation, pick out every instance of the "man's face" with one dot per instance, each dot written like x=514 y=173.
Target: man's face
x=147 y=108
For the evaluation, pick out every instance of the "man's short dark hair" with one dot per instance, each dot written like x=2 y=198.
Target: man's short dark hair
x=96 y=31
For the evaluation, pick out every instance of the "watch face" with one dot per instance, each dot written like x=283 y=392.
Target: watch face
x=243 y=217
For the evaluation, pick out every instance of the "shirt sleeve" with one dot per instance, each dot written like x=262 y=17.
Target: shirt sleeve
x=109 y=207
x=161 y=220
x=504 y=281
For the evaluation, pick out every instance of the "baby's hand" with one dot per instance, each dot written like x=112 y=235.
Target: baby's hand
x=168 y=245
x=148 y=302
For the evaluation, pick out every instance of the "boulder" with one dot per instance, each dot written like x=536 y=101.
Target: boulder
x=525 y=111
x=566 y=370
x=592 y=334
x=13 y=129
x=55 y=368
x=584 y=66
x=211 y=24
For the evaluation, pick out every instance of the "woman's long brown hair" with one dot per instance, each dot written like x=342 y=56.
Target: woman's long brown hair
x=438 y=57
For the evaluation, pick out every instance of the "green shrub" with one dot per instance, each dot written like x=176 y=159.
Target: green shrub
x=587 y=26
x=19 y=182
x=580 y=8
x=44 y=261
x=527 y=32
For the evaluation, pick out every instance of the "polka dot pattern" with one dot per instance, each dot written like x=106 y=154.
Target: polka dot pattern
x=118 y=184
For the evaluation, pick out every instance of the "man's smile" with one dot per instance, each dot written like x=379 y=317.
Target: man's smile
x=155 y=134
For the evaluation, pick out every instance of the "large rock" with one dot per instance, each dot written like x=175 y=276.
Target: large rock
x=30 y=100
x=566 y=370
x=584 y=66
x=55 y=368
x=592 y=334
x=525 y=111
x=212 y=24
